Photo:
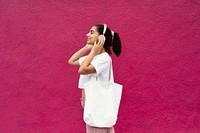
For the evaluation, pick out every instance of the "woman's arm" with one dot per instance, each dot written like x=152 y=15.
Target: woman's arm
x=74 y=59
x=86 y=67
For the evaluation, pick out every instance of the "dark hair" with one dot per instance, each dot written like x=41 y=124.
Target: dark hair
x=113 y=41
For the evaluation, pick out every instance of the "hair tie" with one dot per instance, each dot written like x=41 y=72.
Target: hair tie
x=112 y=33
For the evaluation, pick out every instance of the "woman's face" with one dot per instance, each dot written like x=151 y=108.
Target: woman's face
x=92 y=36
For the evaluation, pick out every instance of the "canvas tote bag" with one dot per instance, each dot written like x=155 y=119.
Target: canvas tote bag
x=102 y=100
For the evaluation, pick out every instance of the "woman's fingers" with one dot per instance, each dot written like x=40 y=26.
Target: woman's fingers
x=97 y=47
x=100 y=43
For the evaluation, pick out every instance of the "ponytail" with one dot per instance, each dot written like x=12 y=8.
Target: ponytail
x=116 y=44
x=112 y=39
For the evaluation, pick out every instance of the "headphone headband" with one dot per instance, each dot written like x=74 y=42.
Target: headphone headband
x=104 y=28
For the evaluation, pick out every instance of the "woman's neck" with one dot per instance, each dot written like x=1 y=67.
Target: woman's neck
x=103 y=50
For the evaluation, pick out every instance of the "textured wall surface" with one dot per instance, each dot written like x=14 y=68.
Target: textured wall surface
x=159 y=66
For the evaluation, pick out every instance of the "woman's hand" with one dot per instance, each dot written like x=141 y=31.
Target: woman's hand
x=97 y=48
x=88 y=47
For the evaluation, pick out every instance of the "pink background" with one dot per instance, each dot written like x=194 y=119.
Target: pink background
x=159 y=65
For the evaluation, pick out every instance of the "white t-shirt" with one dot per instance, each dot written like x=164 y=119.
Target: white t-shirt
x=101 y=64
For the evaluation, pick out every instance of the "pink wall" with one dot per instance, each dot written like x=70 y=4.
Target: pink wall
x=159 y=66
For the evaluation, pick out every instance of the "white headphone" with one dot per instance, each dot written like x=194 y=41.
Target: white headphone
x=104 y=28
x=102 y=37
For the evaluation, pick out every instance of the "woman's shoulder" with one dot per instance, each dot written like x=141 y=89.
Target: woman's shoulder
x=103 y=56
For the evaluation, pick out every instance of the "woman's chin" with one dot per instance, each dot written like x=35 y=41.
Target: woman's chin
x=88 y=42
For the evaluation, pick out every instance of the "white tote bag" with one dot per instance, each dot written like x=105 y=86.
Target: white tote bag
x=102 y=100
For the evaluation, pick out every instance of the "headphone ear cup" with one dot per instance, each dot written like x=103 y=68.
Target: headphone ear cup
x=101 y=38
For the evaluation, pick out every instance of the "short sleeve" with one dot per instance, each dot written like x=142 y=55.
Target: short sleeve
x=80 y=60
x=100 y=64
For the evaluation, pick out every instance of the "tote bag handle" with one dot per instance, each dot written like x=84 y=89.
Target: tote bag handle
x=111 y=77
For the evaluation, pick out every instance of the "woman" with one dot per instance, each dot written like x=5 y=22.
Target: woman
x=97 y=62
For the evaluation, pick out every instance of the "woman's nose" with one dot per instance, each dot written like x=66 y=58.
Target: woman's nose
x=87 y=34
